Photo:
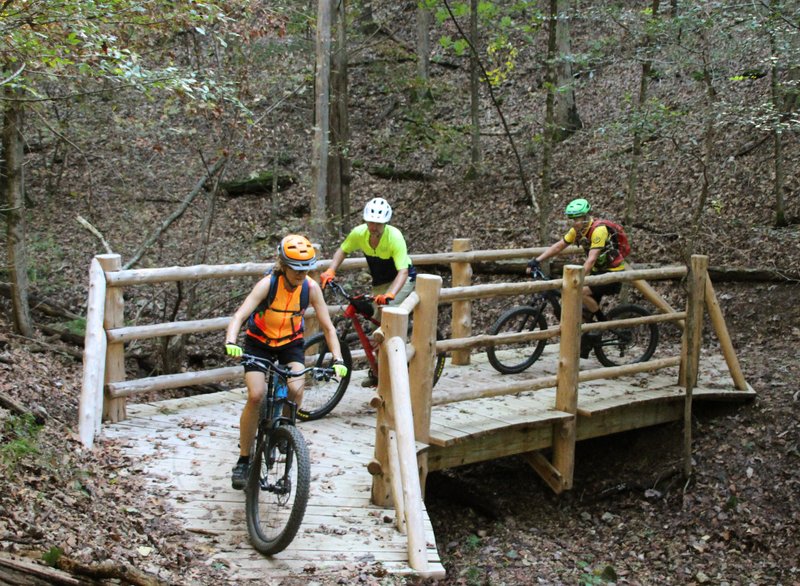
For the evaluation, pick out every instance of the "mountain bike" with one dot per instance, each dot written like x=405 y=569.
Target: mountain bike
x=353 y=329
x=280 y=466
x=614 y=347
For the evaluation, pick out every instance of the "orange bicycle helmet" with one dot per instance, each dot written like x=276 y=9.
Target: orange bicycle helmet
x=297 y=252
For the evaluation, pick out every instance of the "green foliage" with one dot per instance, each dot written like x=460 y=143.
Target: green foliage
x=596 y=576
x=52 y=555
x=19 y=439
x=473 y=541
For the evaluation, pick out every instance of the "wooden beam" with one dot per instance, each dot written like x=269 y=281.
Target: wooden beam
x=113 y=317
x=461 y=320
x=90 y=409
x=123 y=389
x=726 y=345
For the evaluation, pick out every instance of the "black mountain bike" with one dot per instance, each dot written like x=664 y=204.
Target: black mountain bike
x=280 y=467
x=353 y=330
x=614 y=347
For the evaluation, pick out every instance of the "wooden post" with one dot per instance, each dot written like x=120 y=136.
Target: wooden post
x=693 y=337
x=94 y=358
x=568 y=369
x=395 y=351
x=394 y=322
x=721 y=329
x=397 y=484
x=461 y=321
x=420 y=369
x=113 y=409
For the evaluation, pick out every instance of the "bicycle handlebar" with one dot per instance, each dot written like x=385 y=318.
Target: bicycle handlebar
x=267 y=365
x=538 y=275
x=339 y=290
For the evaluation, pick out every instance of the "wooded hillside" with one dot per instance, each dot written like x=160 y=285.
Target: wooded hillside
x=188 y=136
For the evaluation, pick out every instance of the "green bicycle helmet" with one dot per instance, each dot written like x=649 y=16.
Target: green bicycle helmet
x=577 y=208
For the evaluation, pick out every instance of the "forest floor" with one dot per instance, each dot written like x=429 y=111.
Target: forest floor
x=629 y=518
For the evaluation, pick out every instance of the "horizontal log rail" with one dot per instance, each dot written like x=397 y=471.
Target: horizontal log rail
x=129 y=277
x=549 y=382
x=487 y=340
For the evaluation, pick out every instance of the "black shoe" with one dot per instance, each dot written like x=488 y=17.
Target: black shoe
x=588 y=341
x=239 y=475
x=370 y=381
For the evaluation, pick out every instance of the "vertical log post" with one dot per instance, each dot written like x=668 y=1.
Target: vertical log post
x=113 y=409
x=394 y=322
x=693 y=337
x=567 y=377
x=397 y=484
x=721 y=329
x=461 y=322
x=395 y=350
x=94 y=359
x=420 y=369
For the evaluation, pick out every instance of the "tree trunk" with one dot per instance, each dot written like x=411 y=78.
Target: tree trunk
x=567 y=120
x=549 y=125
x=644 y=82
x=779 y=106
x=319 y=156
x=13 y=183
x=474 y=84
x=338 y=205
x=423 y=43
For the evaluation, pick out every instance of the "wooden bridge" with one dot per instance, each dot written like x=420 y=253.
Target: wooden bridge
x=371 y=457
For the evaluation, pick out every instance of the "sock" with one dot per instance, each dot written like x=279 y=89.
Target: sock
x=243 y=460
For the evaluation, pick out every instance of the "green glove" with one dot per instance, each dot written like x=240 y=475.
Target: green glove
x=340 y=369
x=233 y=350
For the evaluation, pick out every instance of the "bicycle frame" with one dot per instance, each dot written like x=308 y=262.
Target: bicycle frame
x=355 y=316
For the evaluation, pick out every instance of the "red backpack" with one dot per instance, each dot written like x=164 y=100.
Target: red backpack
x=620 y=244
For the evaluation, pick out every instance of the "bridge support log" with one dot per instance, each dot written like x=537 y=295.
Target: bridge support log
x=462 y=310
x=113 y=408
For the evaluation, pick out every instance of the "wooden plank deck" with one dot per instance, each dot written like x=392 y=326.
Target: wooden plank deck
x=188 y=446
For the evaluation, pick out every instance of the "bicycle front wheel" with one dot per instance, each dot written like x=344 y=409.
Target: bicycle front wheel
x=628 y=345
x=514 y=357
x=277 y=489
x=320 y=396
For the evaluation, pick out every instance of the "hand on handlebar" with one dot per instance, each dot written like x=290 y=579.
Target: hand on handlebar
x=533 y=265
x=384 y=299
x=340 y=369
x=233 y=350
x=326 y=277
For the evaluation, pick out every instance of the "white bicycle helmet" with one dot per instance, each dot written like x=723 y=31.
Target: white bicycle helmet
x=378 y=210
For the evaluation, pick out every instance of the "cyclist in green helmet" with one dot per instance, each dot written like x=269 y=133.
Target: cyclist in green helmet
x=602 y=255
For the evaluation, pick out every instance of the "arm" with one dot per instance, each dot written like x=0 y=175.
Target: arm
x=591 y=258
x=249 y=305
x=330 y=273
x=398 y=283
x=317 y=301
x=552 y=250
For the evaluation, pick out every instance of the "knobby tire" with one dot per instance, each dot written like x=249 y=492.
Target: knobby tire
x=321 y=397
x=517 y=319
x=627 y=345
x=274 y=507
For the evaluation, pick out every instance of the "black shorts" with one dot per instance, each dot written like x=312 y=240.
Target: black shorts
x=598 y=291
x=291 y=352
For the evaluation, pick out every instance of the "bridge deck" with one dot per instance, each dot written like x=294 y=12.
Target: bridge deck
x=186 y=447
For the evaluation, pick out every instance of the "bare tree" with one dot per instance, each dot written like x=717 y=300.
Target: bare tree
x=13 y=185
x=339 y=167
x=320 y=147
x=567 y=119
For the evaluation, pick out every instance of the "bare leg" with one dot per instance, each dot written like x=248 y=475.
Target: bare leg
x=296 y=385
x=248 y=422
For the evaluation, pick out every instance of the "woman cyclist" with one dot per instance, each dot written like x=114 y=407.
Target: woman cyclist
x=274 y=314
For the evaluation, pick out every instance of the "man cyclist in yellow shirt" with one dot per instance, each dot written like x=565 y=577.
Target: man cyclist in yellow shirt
x=386 y=253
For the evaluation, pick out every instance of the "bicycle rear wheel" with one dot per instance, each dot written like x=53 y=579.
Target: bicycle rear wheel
x=277 y=490
x=320 y=396
x=438 y=367
x=515 y=357
x=627 y=345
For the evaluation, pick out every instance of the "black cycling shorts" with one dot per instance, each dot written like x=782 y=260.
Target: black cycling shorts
x=291 y=352
x=598 y=291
